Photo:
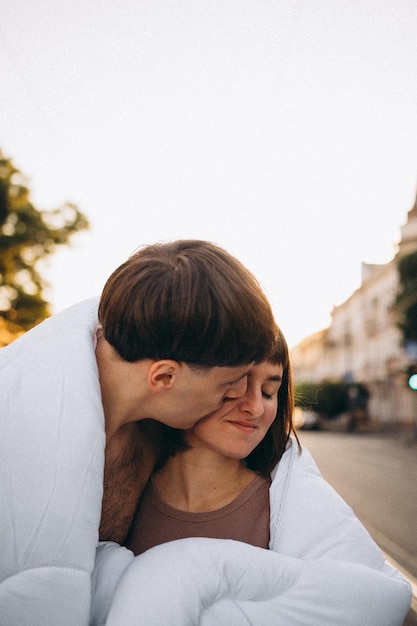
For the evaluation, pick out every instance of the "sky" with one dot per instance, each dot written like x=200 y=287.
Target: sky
x=285 y=131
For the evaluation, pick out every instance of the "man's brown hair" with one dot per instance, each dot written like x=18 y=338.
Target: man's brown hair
x=187 y=300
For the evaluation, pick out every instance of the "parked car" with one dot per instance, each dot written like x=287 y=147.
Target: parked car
x=306 y=419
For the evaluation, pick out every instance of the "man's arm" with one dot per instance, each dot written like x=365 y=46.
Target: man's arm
x=130 y=458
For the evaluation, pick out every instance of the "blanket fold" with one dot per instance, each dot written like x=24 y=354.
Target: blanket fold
x=213 y=581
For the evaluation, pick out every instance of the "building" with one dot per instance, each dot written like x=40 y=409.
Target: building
x=364 y=344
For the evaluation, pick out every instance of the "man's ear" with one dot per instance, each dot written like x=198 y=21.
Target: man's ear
x=162 y=375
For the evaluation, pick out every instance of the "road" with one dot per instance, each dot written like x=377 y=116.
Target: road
x=376 y=474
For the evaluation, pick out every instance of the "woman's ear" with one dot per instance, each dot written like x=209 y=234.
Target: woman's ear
x=162 y=375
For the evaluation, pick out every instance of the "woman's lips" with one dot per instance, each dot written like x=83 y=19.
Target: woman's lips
x=245 y=427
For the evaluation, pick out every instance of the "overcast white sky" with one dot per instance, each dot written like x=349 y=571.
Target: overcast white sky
x=286 y=131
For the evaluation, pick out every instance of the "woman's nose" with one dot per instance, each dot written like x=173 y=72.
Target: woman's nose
x=252 y=403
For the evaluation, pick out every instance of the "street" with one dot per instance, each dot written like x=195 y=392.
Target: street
x=376 y=475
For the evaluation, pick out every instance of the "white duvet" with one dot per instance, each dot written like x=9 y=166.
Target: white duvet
x=216 y=582
x=323 y=568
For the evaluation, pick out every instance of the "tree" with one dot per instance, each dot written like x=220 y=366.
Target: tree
x=305 y=395
x=407 y=296
x=28 y=235
x=328 y=398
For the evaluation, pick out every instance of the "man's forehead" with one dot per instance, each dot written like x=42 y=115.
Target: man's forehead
x=235 y=374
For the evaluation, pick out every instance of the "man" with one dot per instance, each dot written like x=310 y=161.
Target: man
x=177 y=329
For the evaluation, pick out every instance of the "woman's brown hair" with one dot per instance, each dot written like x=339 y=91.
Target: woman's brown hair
x=270 y=450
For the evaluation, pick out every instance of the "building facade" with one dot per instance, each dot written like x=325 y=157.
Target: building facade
x=364 y=344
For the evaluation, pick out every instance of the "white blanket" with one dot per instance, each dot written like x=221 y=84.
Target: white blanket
x=322 y=569
x=51 y=466
x=214 y=582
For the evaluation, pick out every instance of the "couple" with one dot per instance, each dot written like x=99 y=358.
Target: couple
x=182 y=330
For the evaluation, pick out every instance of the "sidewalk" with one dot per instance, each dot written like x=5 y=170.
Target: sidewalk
x=407 y=432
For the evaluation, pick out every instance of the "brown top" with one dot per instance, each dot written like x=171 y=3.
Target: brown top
x=245 y=519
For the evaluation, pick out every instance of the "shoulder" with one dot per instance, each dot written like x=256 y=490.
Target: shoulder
x=63 y=328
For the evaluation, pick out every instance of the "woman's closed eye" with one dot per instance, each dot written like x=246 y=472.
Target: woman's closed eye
x=270 y=391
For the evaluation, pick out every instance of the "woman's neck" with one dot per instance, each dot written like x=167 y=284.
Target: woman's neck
x=198 y=480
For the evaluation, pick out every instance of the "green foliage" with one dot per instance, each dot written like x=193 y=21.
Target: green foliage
x=407 y=296
x=329 y=399
x=333 y=399
x=28 y=235
x=306 y=396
